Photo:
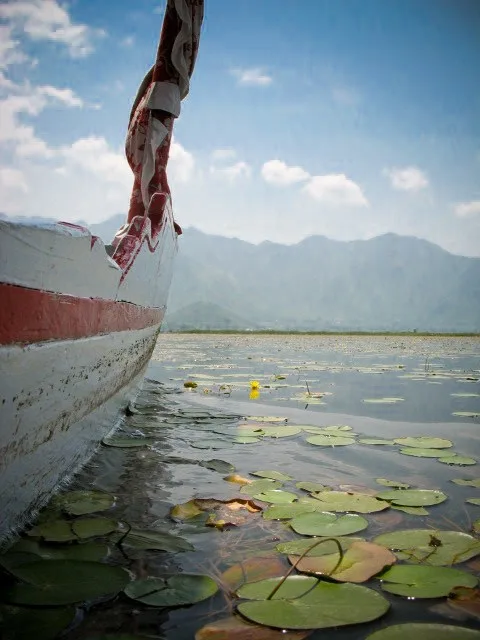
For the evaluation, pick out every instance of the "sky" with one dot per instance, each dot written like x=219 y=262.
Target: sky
x=347 y=119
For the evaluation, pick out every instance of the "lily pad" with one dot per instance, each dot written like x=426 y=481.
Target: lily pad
x=360 y=562
x=281 y=432
x=311 y=486
x=475 y=501
x=413 y=497
x=57 y=582
x=376 y=441
x=271 y=475
x=156 y=540
x=469 y=482
x=414 y=581
x=245 y=439
x=185 y=511
x=392 y=483
x=236 y=628
x=425 y=453
x=260 y=486
x=181 y=589
x=327 y=605
x=328 y=524
x=253 y=569
x=426 y=631
x=383 y=400
x=424 y=442
x=297 y=547
x=125 y=442
x=287 y=511
x=431 y=546
x=93 y=527
x=293 y=587
x=413 y=511
x=345 y=501
x=67 y=531
x=211 y=444
x=330 y=440
x=92 y=551
x=20 y=623
x=237 y=479
x=457 y=459
x=267 y=419
x=467 y=414
x=276 y=496
x=79 y=503
x=217 y=465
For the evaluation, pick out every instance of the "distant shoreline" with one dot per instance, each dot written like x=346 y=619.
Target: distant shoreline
x=275 y=332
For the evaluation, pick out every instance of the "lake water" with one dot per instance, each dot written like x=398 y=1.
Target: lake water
x=381 y=387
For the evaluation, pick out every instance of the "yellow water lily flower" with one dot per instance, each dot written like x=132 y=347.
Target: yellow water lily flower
x=254 y=384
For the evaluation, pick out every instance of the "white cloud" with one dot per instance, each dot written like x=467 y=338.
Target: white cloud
x=128 y=41
x=9 y=48
x=254 y=76
x=407 y=179
x=181 y=163
x=345 y=96
x=467 y=209
x=238 y=170
x=12 y=179
x=66 y=96
x=47 y=20
x=278 y=173
x=94 y=155
x=335 y=189
x=13 y=187
x=223 y=154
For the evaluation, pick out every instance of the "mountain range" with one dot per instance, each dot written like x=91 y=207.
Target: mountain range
x=387 y=283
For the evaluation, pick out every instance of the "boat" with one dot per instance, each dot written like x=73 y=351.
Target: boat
x=79 y=319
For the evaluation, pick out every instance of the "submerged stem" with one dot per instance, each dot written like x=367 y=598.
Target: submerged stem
x=294 y=566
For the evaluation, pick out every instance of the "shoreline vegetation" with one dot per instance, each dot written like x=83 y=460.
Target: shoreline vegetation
x=286 y=332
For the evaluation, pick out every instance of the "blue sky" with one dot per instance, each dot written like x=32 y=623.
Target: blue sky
x=346 y=119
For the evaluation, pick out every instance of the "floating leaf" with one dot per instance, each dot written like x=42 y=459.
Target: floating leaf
x=475 y=501
x=392 y=483
x=311 y=486
x=431 y=546
x=20 y=623
x=253 y=569
x=426 y=631
x=426 y=453
x=376 y=441
x=189 y=384
x=217 y=465
x=360 y=562
x=276 y=496
x=383 y=400
x=238 y=479
x=185 y=511
x=67 y=531
x=287 y=511
x=466 y=395
x=413 y=511
x=414 y=581
x=345 y=501
x=56 y=582
x=413 y=497
x=125 y=442
x=469 y=482
x=245 y=440
x=259 y=486
x=457 y=459
x=465 y=599
x=328 y=524
x=326 y=605
x=297 y=547
x=79 y=503
x=92 y=527
x=272 y=475
x=156 y=540
x=86 y=551
x=181 y=589
x=236 y=628
x=330 y=440
x=253 y=430
x=211 y=444
x=293 y=587
x=424 y=442
x=267 y=419
x=281 y=431
x=467 y=414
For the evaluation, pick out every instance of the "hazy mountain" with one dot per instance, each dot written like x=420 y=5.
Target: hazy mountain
x=387 y=283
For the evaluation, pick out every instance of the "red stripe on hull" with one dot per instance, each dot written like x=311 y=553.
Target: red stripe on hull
x=30 y=315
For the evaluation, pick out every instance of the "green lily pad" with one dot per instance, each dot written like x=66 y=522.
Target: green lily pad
x=79 y=503
x=271 y=475
x=328 y=524
x=57 y=582
x=125 y=442
x=245 y=440
x=260 y=486
x=413 y=511
x=92 y=551
x=217 y=465
x=469 y=482
x=413 y=497
x=425 y=453
x=376 y=441
x=476 y=526
x=181 y=589
x=157 y=540
x=67 y=531
x=326 y=605
x=431 y=546
x=360 y=562
x=93 y=527
x=276 y=496
x=267 y=419
x=327 y=440
x=293 y=587
x=414 y=581
x=20 y=623
x=383 y=400
x=287 y=511
x=426 y=631
x=475 y=501
x=346 y=501
x=311 y=486
x=211 y=444
x=281 y=432
x=254 y=431
x=466 y=395
x=424 y=442
x=298 y=547
x=185 y=511
x=392 y=483
x=457 y=459
x=467 y=414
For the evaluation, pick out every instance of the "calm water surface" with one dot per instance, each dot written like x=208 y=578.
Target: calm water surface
x=431 y=379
